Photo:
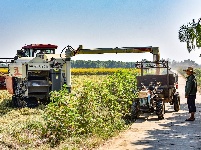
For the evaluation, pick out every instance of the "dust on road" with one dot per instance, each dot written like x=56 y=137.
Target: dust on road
x=173 y=133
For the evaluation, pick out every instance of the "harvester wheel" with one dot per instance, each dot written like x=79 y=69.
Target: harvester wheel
x=32 y=102
x=45 y=101
x=18 y=102
x=14 y=101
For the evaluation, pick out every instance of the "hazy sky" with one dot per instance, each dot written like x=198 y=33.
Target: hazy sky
x=98 y=23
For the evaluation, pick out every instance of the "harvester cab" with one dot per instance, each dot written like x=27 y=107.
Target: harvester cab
x=36 y=50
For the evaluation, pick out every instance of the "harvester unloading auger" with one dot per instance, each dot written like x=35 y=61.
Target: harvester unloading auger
x=36 y=70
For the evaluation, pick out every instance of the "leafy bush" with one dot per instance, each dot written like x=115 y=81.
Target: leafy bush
x=198 y=76
x=122 y=85
x=96 y=109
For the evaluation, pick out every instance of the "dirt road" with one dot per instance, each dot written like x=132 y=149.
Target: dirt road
x=173 y=133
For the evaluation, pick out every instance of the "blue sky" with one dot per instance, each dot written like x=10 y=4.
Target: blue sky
x=98 y=23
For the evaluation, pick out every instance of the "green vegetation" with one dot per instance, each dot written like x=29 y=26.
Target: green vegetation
x=97 y=108
x=97 y=71
x=191 y=34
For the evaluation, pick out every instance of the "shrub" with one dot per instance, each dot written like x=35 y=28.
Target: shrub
x=96 y=108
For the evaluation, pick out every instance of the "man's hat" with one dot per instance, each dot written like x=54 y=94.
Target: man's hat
x=189 y=69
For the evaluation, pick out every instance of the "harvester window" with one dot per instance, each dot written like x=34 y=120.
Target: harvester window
x=25 y=53
x=44 y=51
x=31 y=53
x=49 y=51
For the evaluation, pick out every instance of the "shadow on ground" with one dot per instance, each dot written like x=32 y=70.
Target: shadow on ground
x=176 y=133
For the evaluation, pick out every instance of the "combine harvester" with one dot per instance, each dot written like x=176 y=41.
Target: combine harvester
x=36 y=70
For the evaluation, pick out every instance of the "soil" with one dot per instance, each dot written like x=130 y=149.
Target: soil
x=173 y=132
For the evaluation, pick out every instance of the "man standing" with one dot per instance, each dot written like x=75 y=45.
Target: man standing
x=190 y=92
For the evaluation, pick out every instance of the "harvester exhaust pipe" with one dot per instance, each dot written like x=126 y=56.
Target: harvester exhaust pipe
x=68 y=74
x=68 y=68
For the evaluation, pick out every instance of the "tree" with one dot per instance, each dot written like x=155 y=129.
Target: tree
x=191 y=34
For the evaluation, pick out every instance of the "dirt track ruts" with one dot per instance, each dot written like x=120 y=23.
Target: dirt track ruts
x=173 y=132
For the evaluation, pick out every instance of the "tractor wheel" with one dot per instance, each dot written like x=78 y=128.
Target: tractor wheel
x=151 y=109
x=32 y=102
x=45 y=101
x=160 y=109
x=176 y=103
x=135 y=110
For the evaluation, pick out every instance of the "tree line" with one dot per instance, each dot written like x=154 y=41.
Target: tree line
x=183 y=64
x=101 y=64
x=119 y=64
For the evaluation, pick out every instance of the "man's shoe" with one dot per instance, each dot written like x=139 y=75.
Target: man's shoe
x=190 y=119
